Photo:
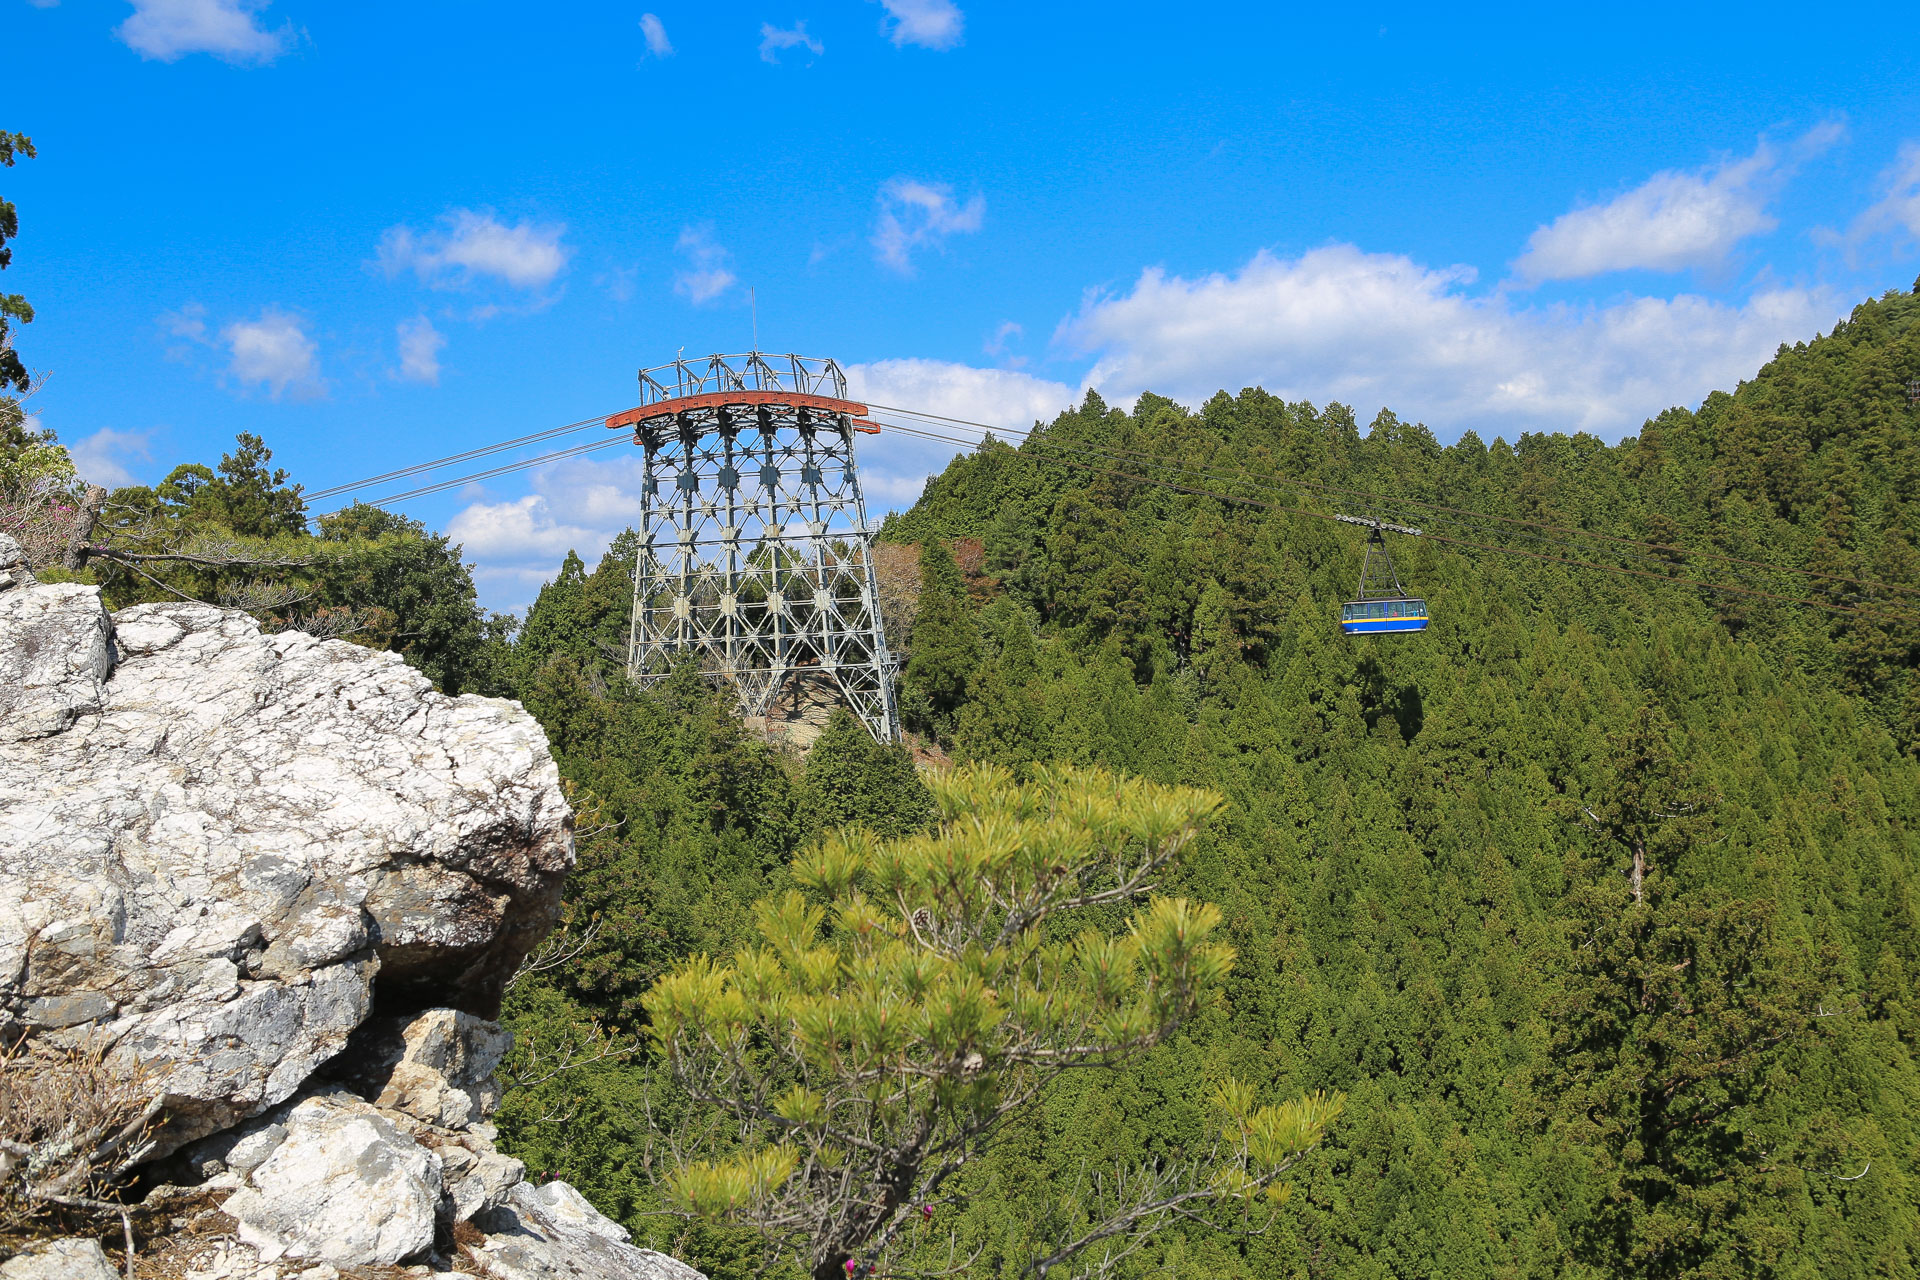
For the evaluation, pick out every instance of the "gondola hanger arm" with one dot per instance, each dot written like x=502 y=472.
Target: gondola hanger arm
x=1369 y=522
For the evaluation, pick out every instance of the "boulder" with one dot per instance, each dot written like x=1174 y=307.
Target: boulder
x=478 y=1178
x=13 y=564
x=60 y=1260
x=550 y=1231
x=437 y=1066
x=54 y=659
x=280 y=883
x=345 y=1187
x=220 y=847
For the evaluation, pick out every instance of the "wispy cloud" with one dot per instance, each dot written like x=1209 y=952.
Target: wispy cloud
x=189 y=324
x=656 y=34
x=999 y=345
x=932 y=24
x=918 y=215
x=773 y=39
x=273 y=350
x=420 y=345
x=1897 y=211
x=618 y=282
x=707 y=274
x=468 y=245
x=1372 y=329
x=1673 y=220
x=168 y=30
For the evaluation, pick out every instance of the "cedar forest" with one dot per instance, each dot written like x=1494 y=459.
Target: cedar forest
x=1423 y=859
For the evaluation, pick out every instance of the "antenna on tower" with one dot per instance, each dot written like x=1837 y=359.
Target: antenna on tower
x=754 y=308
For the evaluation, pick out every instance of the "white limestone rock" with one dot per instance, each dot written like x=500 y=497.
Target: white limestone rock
x=570 y=1207
x=231 y=1260
x=13 y=564
x=483 y=1180
x=60 y=1260
x=53 y=660
x=212 y=847
x=437 y=1066
x=345 y=1187
x=550 y=1231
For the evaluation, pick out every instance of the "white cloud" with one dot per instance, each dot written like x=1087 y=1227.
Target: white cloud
x=1380 y=329
x=468 y=245
x=516 y=545
x=656 y=33
x=228 y=29
x=1897 y=211
x=1671 y=221
x=707 y=274
x=524 y=529
x=102 y=457
x=894 y=466
x=420 y=345
x=773 y=39
x=918 y=215
x=997 y=397
x=273 y=350
x=933 y=24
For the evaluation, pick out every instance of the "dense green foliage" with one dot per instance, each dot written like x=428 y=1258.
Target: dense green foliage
x=13 y=307
x=913 y=999
x=237 y=534
x=945 y=647
x=1426 y=859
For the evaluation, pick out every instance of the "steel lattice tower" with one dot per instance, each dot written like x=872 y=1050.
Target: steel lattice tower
x=755 y=555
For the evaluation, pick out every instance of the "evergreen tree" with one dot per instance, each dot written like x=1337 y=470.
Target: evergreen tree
x=851 y=779
x=13 y=307
x=944 y=646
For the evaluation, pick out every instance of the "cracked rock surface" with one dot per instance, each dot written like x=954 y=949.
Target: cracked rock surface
x=217 y=846
x=290 y=881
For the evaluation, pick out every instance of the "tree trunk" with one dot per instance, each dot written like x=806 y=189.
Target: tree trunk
x=1639 y=878
x=78 y=544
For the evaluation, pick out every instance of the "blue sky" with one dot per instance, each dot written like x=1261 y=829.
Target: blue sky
x=381 y=233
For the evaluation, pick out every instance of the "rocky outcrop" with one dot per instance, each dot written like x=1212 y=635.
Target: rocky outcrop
x=377 y=1174
x=279 y=884
x=438 y=1067
x=343 y=1185
x=538 y=1231
x=219 y=847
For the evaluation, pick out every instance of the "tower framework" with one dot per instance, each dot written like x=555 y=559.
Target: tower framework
x=755 y=554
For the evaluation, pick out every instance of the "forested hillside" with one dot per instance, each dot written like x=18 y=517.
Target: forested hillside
x=1425 y=860
x=1426 y=856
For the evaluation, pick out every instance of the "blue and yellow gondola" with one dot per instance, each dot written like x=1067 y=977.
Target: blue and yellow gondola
x=1380 y=605
x=1378 y=617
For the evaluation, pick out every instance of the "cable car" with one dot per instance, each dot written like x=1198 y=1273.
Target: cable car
x=1381 y=605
